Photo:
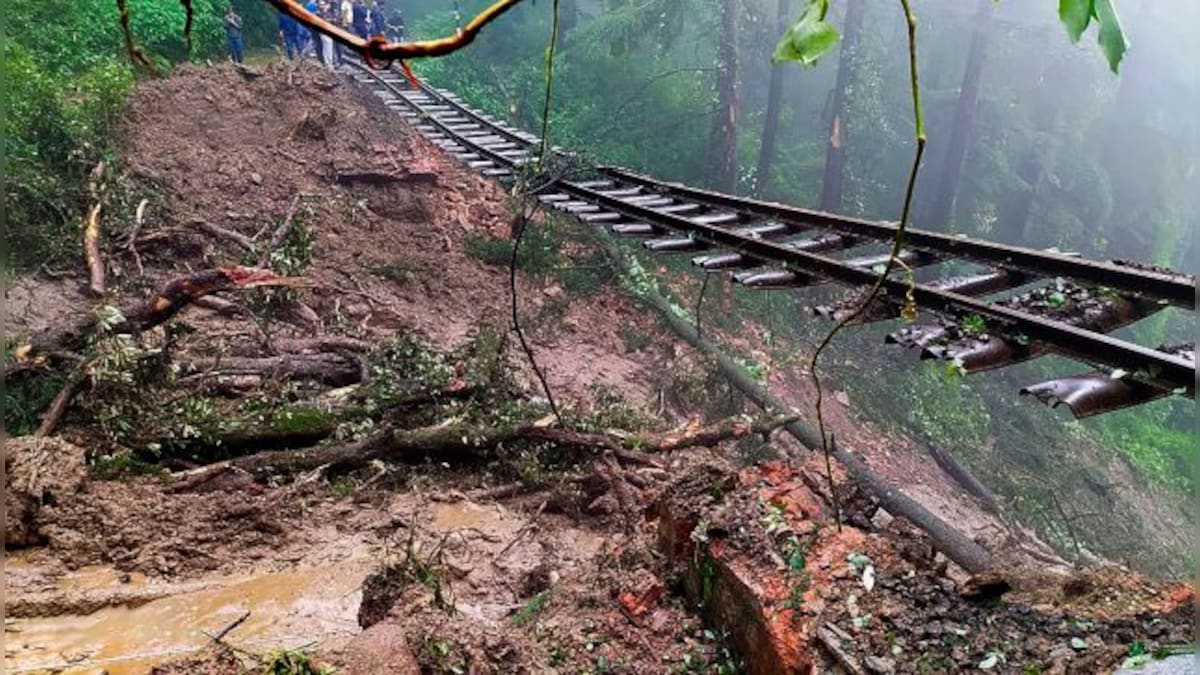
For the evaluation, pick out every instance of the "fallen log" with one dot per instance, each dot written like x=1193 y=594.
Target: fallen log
x=954 y=544
x=144 y=315
x=460 y=442
x=963 y=476
x=331 y=369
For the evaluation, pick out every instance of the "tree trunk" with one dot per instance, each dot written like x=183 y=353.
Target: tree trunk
x=723 y=143
x=942 y=210
x=835 y=153
x=766 y=149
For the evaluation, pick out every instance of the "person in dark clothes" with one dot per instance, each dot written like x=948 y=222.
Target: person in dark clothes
x=361 y=19
x=233 y=35
x=378 y=23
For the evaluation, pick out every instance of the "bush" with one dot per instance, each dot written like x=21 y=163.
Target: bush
x=66 y=78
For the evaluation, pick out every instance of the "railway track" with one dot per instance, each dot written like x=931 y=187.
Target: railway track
x=997 y=304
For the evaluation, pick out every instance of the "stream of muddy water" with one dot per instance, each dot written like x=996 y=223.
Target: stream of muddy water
x=286 y=609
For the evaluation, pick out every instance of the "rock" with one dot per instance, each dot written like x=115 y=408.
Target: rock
x=879 y=664
x=39 y=472
x=382 y=648
x=882 y=519
x=255 y=178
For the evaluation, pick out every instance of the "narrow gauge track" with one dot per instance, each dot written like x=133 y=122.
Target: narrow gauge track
x=1040 y=301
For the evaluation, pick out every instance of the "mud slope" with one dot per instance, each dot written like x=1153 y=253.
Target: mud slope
x=529 y=559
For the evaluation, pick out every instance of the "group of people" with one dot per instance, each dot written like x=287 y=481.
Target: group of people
x=357 y=16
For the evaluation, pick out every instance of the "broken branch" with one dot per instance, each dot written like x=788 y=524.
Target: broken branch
x=91 y=234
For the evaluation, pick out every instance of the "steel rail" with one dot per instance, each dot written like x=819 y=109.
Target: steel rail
x=1176 y=289
x=1063 y=337
x=1153 y=366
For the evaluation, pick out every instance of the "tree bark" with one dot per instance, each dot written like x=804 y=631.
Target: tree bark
x=331 y=369
x=723 y=158
x=941 y=211
x=963 y=476
x=174 y=296
x=835 y=152
x=458 y=442
x=766 y=148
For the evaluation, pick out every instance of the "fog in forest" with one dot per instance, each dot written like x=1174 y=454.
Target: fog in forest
x=1032 y=141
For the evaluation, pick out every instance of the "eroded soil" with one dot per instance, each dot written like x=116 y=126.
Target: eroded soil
x=499 y=565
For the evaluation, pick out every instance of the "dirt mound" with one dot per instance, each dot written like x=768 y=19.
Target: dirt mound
x=137 y=525
x=39 y=472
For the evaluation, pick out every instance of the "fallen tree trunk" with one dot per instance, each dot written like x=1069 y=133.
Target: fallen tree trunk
x=331 y=369
x=954 y=544
x=144 y=315
x=459 y=442
x=963 y=476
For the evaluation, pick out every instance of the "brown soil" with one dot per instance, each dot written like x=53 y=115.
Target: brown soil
x=562 y=575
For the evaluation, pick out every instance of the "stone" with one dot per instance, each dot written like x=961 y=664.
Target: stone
x=881 y=665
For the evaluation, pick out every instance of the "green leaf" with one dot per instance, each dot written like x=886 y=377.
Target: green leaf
x=810 y=38
x=1075 y=15
x=1112 y=37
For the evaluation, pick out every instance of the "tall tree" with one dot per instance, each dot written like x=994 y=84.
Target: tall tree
x=941 y=209
x=766 y=148
x=835 y=153
x=723 y=159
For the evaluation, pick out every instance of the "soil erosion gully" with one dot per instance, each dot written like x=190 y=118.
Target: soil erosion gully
x=998 y=304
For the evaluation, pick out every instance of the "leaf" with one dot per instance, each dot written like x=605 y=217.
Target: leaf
x=810 y=38
x=1112 y=37
x=1075 y=15
x=1078 y=644
x=858 y=560
x=989 y=661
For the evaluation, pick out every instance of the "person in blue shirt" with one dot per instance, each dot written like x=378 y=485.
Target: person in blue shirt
x=233 y=34
x=314 y=35
x=289 y=32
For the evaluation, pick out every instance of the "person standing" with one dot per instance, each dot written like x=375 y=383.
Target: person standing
x=362 y=19
x=346 y=16
x=314 y=35
x=396 y=27
x=378 y=23
x=289 y=33
x=233 y=35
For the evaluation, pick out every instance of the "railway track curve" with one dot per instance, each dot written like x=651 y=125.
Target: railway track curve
x=996 y=304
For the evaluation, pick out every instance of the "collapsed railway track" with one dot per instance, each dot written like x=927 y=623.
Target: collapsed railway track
x=997 y=304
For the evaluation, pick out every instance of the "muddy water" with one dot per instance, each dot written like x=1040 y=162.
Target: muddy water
x=287 y=609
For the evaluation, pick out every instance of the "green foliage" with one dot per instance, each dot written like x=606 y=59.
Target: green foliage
x=66 y=77
x=810 y=38
x=1076 y=15
x=947 y=409
x=531 y=609
x=26 y=397
x=292 y=662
